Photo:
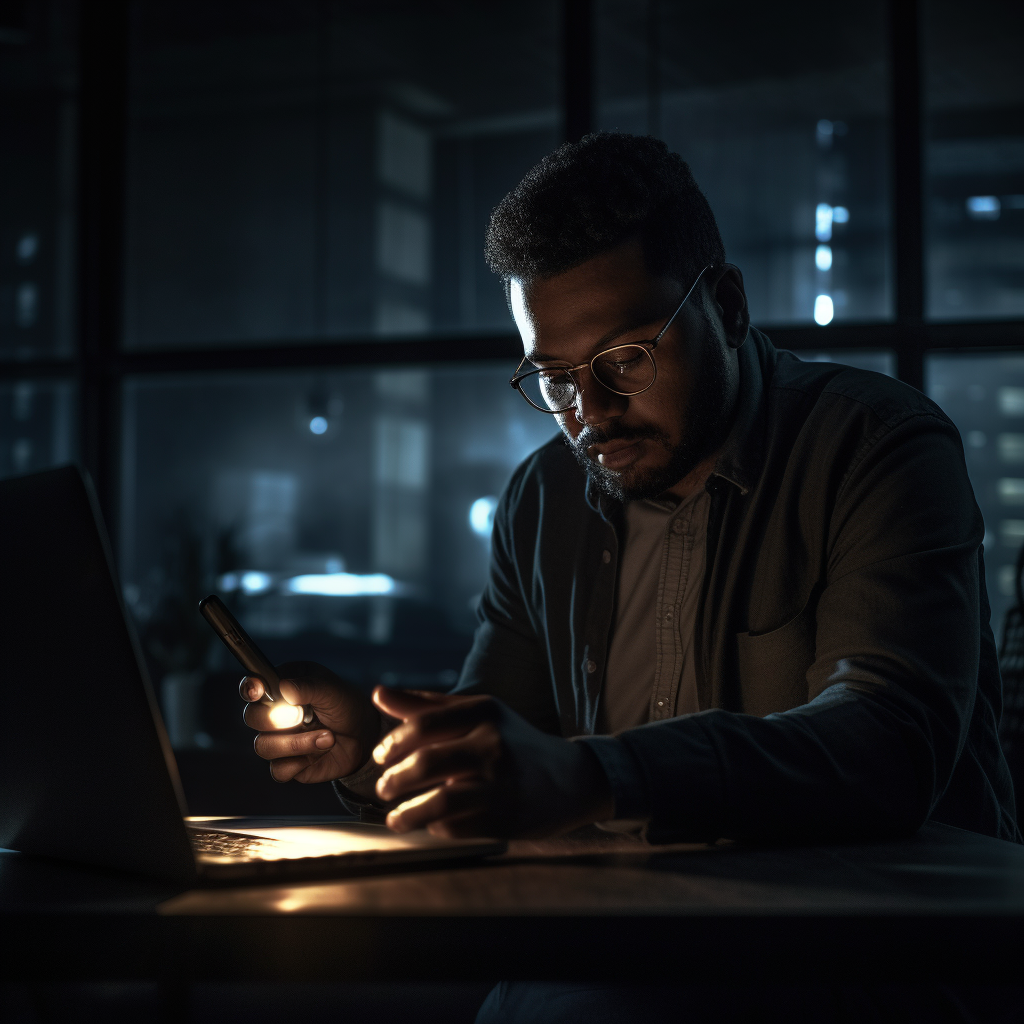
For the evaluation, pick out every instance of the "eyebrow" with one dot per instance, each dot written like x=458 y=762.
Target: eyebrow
x=612 y=335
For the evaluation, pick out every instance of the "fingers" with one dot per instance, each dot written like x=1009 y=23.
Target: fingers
x=473 y=755
x=406 y=703
x=300 y=691
x=438 y=722
x=271 y=745
x=334 y=762
x=286 y=769
x=435 y=807
x=272 y=717
x=251 y=688
x=302 y=769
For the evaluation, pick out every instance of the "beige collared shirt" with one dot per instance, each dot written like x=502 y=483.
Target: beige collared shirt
x=650 y=673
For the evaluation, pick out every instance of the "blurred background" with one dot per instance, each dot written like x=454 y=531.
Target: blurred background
x=241 y=280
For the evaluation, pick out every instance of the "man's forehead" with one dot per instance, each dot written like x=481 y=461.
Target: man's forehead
x=558 y=318
x=521 y=311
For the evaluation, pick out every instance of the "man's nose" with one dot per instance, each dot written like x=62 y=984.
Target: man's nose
x=594 y=402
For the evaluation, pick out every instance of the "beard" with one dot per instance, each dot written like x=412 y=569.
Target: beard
x=703 y=429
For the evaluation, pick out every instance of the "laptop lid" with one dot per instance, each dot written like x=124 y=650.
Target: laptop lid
x=83 y=745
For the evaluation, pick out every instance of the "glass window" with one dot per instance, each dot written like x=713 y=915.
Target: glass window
x=345 y=516
x=863 y=359
x=37 y=171
x=984 y=396
x=975 y=159
x=37 y=428
x=782 y=119
x=303 y=171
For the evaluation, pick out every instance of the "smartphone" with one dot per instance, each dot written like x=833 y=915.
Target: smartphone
x=249 y=656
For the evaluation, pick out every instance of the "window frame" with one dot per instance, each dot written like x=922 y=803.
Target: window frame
x=100 y=366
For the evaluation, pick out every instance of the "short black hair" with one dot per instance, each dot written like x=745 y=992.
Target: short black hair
x=587 y=197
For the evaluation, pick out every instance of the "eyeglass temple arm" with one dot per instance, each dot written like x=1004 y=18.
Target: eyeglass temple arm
x=672 y=318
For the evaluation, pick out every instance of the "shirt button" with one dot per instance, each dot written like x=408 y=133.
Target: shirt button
x=677 y=526
x=606 y=557
x=661 y=703
x=591 y=667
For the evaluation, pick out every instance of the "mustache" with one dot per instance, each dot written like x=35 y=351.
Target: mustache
x=589 y=436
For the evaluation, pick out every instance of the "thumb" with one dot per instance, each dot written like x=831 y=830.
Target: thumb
x=318 y=692
x=295 y=691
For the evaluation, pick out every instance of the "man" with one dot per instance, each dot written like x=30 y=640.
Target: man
x=742 y=596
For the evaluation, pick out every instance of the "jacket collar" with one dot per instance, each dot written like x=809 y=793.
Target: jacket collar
x=742 y=456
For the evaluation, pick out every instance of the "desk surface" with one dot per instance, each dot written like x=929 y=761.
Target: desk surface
x=945 y=905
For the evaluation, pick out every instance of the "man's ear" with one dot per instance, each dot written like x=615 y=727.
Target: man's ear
x=731 y=300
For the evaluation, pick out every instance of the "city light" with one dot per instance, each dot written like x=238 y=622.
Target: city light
x=983 y=207
x=823 y=222
x=840 y=215
x=255 y=582
x=342 y=584
x=318 y=425
x=28 y=246
x=823 y=257
x=823 y=310
x=481 y=515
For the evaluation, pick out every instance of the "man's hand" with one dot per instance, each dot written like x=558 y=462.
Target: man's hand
x=470 y=766
x=351 y=725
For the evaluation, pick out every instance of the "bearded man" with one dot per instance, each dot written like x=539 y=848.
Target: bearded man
x=740 y=596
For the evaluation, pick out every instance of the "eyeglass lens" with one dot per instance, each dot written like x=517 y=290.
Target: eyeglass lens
x=626 y=370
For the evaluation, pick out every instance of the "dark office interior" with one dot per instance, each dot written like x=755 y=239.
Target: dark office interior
x=242 y=283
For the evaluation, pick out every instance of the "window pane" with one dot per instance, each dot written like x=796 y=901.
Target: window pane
x=879 y=362
x=975 y=159
x=37 y=426
x=984 y=396
x=345 y=516
x=38 y=82
x=314 y=170
x=781 y=114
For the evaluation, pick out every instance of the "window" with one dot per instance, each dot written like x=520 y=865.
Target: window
x=278 y=349
x=38 y=105
x=975 y=160
x=783 y=120
x=36 y=425
x=304 y=171
x=344 y=516
x=984 y=396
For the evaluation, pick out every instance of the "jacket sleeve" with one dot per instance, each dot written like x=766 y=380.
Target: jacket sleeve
x=508 y=658
x=892 y=686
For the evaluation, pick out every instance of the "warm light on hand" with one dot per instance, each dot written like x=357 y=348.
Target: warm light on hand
x=285 y=716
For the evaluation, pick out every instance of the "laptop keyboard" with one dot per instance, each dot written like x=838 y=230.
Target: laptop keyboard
x=227 y=844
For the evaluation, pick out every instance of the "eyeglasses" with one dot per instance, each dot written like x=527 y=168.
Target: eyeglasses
x=625 y=369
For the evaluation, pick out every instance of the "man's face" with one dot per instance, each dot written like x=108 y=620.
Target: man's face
x=642 y=445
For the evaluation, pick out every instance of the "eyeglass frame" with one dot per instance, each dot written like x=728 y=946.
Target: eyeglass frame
x=518 y=378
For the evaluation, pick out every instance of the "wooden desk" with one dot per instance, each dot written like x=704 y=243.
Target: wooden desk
x=944 y=906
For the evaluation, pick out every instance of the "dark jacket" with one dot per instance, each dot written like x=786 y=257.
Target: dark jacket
x=846 y=668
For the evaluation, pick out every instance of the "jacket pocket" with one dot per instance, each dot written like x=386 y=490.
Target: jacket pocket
x=773 y=666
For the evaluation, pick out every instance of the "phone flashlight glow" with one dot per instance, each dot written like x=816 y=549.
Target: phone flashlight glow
x=285 y=716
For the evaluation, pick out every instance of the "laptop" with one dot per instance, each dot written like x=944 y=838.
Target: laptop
x=86 y=770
